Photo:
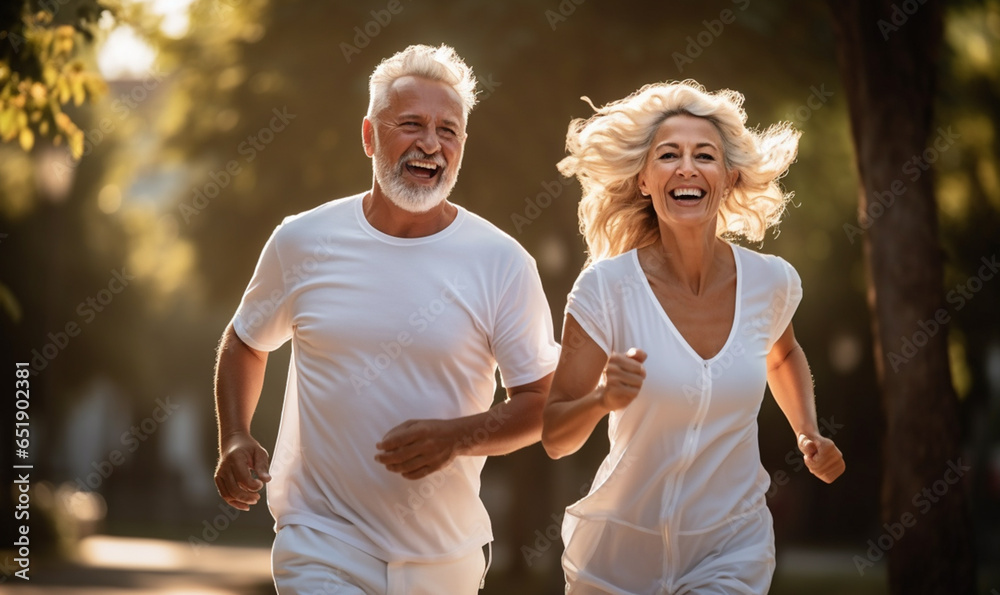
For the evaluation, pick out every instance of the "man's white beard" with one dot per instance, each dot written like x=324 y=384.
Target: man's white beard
x=415 y=199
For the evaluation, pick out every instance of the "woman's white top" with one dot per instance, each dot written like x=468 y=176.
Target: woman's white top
x=684 y=458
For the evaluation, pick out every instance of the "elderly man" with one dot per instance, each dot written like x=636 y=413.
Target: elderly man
x=400 y=307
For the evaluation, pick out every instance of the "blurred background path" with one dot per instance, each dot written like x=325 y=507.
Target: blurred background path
x=111 y=565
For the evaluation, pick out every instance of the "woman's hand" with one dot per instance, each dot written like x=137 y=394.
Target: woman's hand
x=822 y=457
x=622 y=379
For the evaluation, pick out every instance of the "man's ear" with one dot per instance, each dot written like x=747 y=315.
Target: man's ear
x=368 y=136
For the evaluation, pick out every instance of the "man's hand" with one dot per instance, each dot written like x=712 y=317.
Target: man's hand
x=822 y=457
x=241 y=456
x=418 y=447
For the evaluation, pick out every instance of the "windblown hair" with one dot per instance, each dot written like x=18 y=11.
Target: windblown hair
x=434 y=63
x=608 y=151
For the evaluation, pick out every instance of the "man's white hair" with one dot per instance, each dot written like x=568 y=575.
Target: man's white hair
x=434 y=63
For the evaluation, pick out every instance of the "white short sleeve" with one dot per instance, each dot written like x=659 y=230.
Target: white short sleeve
x=588 y=304
x=786 y=300
x=263 y=319
x=523 y=340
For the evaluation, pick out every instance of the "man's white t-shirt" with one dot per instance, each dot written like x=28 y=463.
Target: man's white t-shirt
x=385 y=330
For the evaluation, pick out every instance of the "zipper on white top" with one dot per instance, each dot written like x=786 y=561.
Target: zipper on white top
x=668 y=509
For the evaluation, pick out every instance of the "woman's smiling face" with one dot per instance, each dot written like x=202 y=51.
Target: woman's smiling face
x=685 y=174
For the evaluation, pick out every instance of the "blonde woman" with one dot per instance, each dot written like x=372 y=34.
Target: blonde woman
x=673 y=332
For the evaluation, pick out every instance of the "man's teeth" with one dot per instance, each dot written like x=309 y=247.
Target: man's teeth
x=424 y=164
x=686 y=192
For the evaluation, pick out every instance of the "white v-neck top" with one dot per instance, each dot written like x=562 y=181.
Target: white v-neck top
x=684 y=457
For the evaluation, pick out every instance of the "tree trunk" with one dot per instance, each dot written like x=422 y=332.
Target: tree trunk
x=888 y=58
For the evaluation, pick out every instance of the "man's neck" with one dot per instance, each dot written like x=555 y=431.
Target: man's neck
x=391 y=220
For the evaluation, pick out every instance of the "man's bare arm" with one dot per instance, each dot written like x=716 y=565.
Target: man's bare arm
x=239 y=377
x=419 y=447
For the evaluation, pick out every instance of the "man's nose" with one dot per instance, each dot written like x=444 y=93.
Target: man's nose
x=428 y=141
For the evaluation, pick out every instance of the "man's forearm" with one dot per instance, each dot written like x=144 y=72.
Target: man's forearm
x=239 y=378
x=506 y=427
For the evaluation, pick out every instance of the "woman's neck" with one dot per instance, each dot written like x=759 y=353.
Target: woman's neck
x=688 y=256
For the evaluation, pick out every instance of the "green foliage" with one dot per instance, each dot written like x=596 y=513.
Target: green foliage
x=40 y=71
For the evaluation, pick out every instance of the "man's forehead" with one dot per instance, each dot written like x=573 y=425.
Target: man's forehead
x=419 y=96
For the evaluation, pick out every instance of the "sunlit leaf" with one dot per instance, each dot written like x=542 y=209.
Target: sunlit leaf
x=7 y=123
x=63 y=122
x=50 y=74
x=79 y=93
x=76 y=144
x=9 y=303
x=46 y=38
x=95 y=86
x=26 y=138
x=63 y=88
x=64 y=43
x=39 y=92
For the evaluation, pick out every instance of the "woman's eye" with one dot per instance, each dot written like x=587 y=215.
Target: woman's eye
x=668 y=155
x=706 y=157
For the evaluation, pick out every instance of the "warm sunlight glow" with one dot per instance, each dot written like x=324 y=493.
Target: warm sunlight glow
x=109 y=199
x=176 y=16
x=106 y=551
x=130 y=553
x=125 y=55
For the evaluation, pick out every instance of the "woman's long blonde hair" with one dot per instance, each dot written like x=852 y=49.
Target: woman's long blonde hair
x=608 y=151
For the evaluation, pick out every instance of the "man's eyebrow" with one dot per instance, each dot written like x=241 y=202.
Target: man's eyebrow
x=414 y=116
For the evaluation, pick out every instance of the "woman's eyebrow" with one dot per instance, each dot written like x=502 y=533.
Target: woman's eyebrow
x=677 y=146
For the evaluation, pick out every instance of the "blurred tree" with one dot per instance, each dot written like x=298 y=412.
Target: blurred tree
x=968 y=193
x=888 y=56
x=39 y=70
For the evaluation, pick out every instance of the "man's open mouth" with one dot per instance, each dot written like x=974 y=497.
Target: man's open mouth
x=420 y=168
